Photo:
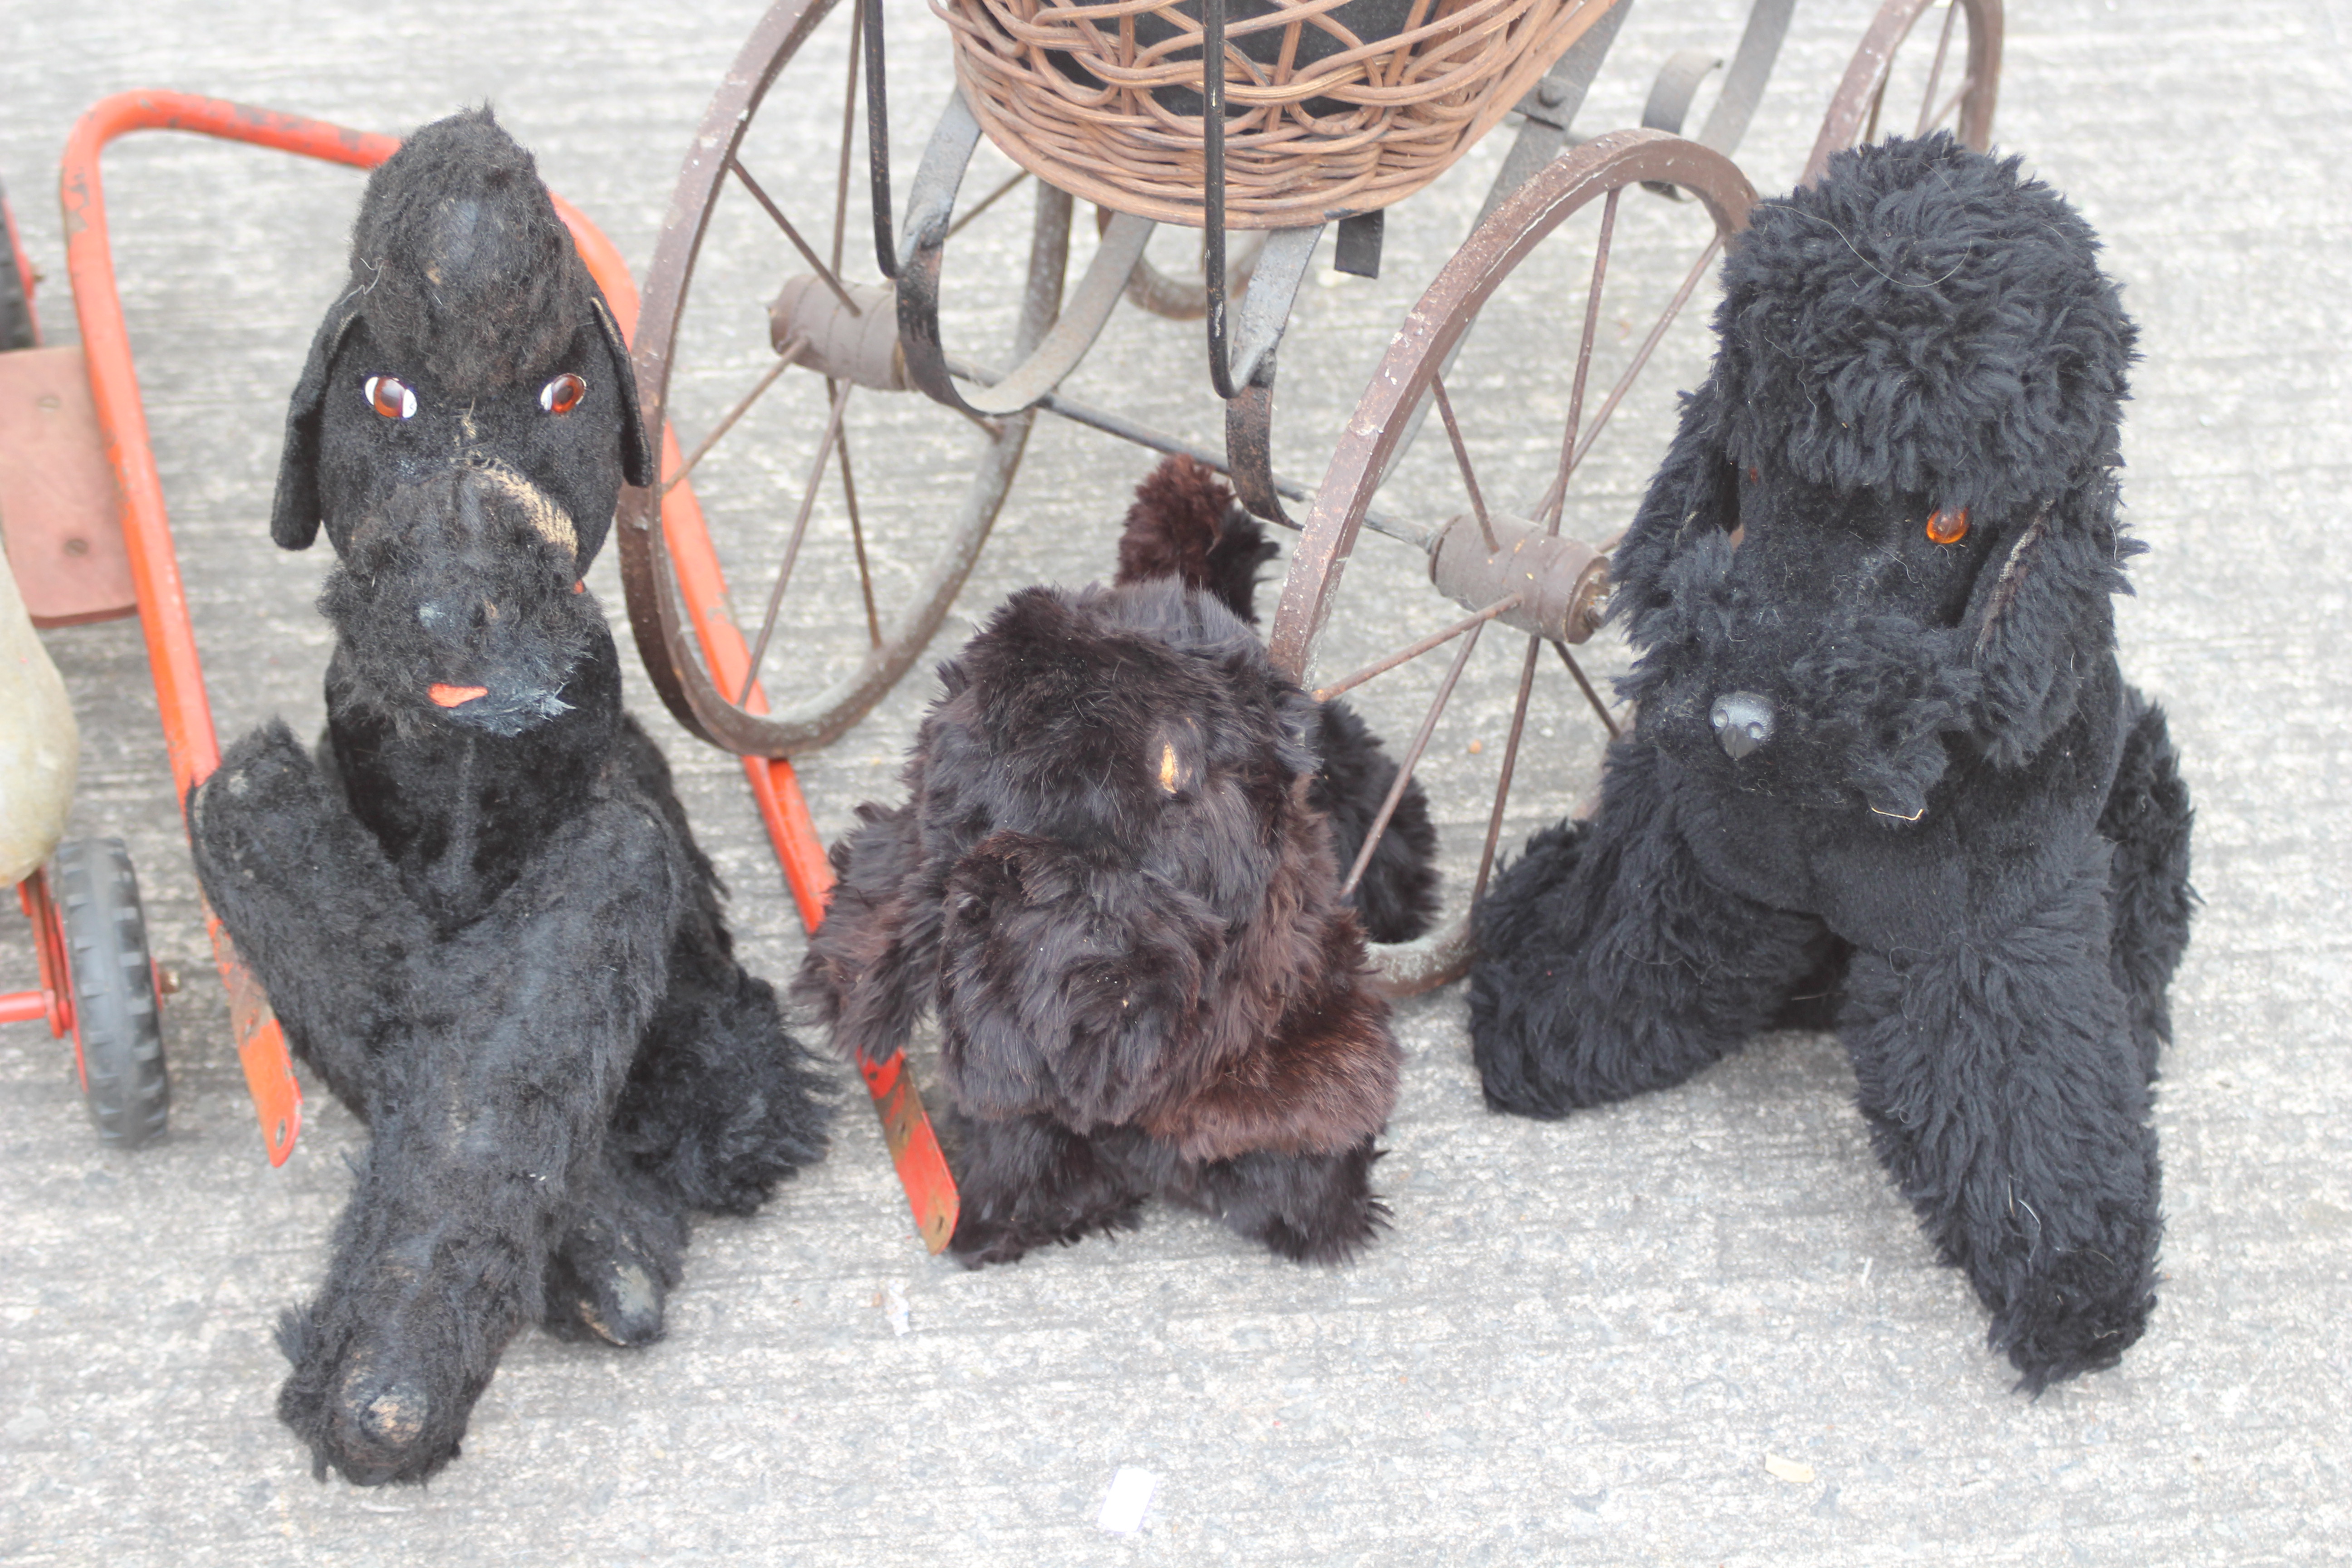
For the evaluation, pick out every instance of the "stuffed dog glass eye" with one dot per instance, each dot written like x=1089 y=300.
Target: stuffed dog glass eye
x=562 y=395
x=1947 y=527
x=390 y=396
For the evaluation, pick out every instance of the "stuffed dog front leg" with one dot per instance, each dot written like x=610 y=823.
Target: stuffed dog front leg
x=309 y=894
x=2007 y=1096
x=488 y=1074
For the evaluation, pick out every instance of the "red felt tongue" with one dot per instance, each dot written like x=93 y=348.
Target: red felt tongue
x=453 y=696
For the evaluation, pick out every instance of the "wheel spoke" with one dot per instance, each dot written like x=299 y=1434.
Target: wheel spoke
x=1953 y=102
x=1935 y=70
x=1213 y=459
x=1510 y=762
x=1526 y=241
x=793 y=345
x=1462 y=461
x=1570 y=448
x=988 y=201
x=1414 y=651
x=1585 y=686
x=848 y=130
x=768 y=206
x=857 y=535
x=1550 y=507
x=793 y=546
x=1411 y=760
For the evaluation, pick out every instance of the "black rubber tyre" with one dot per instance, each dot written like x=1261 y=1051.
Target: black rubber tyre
x=118 y=1032
x=16 y=311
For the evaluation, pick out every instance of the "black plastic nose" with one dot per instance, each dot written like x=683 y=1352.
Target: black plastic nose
x=1742 y=721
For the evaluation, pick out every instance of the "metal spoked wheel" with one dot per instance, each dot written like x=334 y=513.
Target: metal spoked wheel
x=1574 y=287
x=117 y=1031
x=1906 y=79
x=846 y=510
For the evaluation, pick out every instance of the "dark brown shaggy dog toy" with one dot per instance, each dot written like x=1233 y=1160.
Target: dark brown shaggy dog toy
x=1115 y=882
x=479 y=912
x=1886 y=759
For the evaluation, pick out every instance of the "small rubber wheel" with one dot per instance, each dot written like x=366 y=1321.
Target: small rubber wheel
x=118 y=1029
x=15 y=289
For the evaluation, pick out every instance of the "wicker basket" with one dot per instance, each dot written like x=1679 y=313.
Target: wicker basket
x=1102 y=97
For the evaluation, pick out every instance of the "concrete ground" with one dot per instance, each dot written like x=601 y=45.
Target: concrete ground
x=1699 y=1328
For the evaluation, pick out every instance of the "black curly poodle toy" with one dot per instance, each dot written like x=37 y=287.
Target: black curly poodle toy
x=1885 y=771
x=479 y=911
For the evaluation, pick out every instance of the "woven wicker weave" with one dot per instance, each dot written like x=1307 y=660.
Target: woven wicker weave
x=1101 y=98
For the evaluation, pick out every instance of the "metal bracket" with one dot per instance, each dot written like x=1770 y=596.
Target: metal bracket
x=1249 y=443
x=1358 y=248
x=1743 y=85
x=1265 y=308
x=1670 y=96
x=1670 y=100
x=1249 y=411
x=1546 y=114
x=877 y=137
x=930 y=203
x=1213 y=190
x=1751 y=67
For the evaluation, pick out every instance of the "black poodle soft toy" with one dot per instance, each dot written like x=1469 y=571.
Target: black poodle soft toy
x=479 y=912
x=1885 y=769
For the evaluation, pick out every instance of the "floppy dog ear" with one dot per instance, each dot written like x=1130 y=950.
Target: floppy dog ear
x=1694 y=497
x=294 y=514
x=2043 y=620
x=636 y=451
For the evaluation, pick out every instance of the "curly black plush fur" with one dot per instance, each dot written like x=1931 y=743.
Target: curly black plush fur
x=1114 y=881
x=479 y=911
x=1883 y=750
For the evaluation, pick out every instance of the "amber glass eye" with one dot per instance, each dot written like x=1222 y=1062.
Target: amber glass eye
x=562 y=395
x=1948 y=527
x=389 y=396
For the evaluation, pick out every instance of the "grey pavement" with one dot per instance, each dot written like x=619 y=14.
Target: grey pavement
x=1698 y=1328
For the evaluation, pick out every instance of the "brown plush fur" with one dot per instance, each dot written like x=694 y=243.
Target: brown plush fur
x=1113 y=883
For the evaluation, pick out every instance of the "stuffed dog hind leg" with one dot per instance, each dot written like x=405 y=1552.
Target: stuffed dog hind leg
x=479 y=912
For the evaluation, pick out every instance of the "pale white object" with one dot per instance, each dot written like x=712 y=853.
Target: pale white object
x=1130 y=1494
x=40 y=747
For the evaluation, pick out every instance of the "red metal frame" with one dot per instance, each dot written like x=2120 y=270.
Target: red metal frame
x=171 y=641
x=53 y=1002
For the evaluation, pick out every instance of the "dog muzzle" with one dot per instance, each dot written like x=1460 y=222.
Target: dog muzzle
x=1742 y=721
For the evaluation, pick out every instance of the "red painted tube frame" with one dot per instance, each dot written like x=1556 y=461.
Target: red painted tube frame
x=180 y=697
x=53 y=1002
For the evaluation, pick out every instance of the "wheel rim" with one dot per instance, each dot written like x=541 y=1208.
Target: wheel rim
x=1592 y=176
x=813 y=480
x=1947 y=85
